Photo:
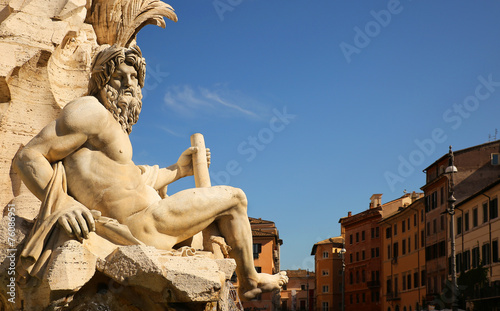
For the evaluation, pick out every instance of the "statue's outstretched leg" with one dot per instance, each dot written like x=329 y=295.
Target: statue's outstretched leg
x=182 y=215
x=237 y=231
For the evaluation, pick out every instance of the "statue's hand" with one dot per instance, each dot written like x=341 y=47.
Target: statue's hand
x=185 y=162
x=77 y=221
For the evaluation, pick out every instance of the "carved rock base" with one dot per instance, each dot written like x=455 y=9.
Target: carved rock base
x=131 y=278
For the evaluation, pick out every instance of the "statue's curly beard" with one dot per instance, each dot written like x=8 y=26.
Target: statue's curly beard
x=124 y=108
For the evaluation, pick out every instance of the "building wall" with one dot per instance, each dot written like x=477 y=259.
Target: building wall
x=337 y=280
x=265 y=229
x=328 y=267
x=408 y=267
x=266 y=246
x=364 y=252
x=298 y=294
x=436 y=227
x=477 y=231
x=475 y=172
x=361 y=286
x=265 y=259
x=264 y=262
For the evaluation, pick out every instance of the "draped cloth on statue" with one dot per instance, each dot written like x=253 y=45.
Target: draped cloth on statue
x=46 y=235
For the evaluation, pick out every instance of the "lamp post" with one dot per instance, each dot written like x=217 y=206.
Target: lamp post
x=307 y=288
x=341 y=254
x=451 y=170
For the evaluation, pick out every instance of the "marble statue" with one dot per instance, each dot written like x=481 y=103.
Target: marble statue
x=80 y=166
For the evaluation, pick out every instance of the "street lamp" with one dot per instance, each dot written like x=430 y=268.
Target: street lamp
x=341 y=254
x=307 y=288
x=451 y=169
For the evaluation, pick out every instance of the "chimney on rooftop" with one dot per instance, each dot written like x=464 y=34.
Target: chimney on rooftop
x=414 y=196
x=375 y=200
x=349 y=214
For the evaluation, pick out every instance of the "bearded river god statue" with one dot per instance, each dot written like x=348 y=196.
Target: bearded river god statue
x=98 y=204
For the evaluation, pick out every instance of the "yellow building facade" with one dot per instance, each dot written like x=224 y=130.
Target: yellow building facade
x=403 y=258
x=477 y=233
x=477 y=168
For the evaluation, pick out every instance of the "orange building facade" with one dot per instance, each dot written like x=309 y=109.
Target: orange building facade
x=363 y=244
x=403 y=258
x=476 y=170
x=398 y=254
x=266 y=253
x=328 y=267
x=298 y=294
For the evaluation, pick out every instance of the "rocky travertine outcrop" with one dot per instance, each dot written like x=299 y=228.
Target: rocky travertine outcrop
x=47 y=48
x=140 y=275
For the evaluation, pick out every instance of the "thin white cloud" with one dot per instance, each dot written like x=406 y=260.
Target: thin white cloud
x=214 y=96
x=169 y=131
x=216 y=101
x=184 y=100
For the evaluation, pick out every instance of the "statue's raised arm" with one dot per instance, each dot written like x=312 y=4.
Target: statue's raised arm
x=80 y=165
x=94 y=147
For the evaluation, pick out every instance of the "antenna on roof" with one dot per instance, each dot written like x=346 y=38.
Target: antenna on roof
x=494 y=137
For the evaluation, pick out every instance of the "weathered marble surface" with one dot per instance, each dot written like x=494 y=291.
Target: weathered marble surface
x=49 y=49
x=160 y=278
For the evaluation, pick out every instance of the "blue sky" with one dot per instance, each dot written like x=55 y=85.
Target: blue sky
x=313 y=106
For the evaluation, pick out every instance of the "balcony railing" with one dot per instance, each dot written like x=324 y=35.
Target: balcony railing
x=492 y=291
x=373 y=284
x=393 y=296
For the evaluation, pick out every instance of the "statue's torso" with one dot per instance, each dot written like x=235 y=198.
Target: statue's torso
x=102 y=176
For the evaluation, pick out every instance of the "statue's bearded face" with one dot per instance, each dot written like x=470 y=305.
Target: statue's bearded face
x=122 y=96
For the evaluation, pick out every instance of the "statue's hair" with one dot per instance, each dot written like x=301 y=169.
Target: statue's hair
x=109 y=59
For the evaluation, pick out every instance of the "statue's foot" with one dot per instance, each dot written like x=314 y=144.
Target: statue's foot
x=265 y=283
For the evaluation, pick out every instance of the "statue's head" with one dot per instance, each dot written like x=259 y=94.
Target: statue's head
x=117 y=78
